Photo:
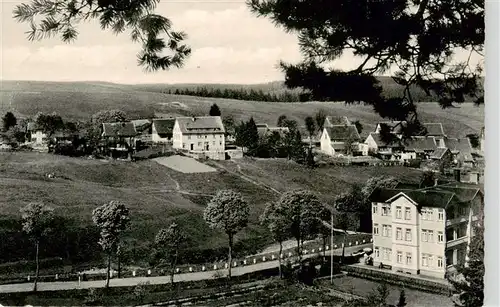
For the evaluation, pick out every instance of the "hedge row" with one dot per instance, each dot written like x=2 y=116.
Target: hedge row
x=399 y=280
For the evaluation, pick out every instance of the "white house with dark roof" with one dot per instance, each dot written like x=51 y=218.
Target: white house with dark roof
x=335 y=138
x=162 y=130
x=435 y=130
x=395 y=127
x=421 y=147
x=388 y=151
x=424 y=231
x=203 y=135
x=461 y=150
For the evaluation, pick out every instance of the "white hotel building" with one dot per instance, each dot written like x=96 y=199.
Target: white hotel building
x=424 y=231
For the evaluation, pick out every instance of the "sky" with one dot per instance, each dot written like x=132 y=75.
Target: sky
x=229 y=45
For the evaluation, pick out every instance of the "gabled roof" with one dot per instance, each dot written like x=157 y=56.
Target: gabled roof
x=342 y=132
x=266 y=130
x=164 y=125
x=337 y=120
x=435 y=197
x=434 y=129
x=141 y=124
x=439 y=153
x=458 y=145
x=421 y=144
x=124 y=129
x=380 y=143
x=395 y=126
x=423 y=198
x=200 y=124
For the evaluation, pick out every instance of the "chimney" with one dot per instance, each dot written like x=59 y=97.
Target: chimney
x=456 y=173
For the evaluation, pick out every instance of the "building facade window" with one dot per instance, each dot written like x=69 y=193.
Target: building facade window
x=400 y=257
x=399 y=213
x=440 y=215
x=385 y=230
x=424 y=260
x=377 y=252
x=430 y=234
x=375 y=229
x=430 y=214
x=399 y=234
x=375 y=209
x=408 y=235
x=440 y=237
x=424 y=235
x=408 y=258
x=189 y=137
x=386 y=210
x=407 y=213
x=440 y=262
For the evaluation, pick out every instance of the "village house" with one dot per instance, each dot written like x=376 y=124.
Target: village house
x=143 y=130
x=118 y=139
x=265 y=130
x=395 y=127
x=419 y=147
x=203 y=136
x=338 y=138
x=377 y=146
x=435 y=130
x=163 y=130
x=461 y=150
x=424 y=231
x=36 y=135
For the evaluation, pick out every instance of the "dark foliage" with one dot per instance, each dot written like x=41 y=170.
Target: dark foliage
x=419 y=38
x=154 y=32
x=474 y=140
x=9 y=120
x=214 y=110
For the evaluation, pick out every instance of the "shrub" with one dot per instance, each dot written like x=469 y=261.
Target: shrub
x=140 y=292
x=93 y=297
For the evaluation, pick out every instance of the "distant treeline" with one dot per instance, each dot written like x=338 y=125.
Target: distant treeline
x=241 y=94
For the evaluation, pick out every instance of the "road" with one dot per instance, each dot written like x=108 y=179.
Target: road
x=124 y=282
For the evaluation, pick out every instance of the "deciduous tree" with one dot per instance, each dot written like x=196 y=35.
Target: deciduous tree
x=229 y=212
x=162 y=47
x=49 y=123
x=169 y=241
x=302 y=210
x=36 y=220
x=112 y=219
x=277 y=224
x=418 y=40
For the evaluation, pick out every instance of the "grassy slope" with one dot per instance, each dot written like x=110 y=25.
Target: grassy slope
x=78 y=100
x=149 y=188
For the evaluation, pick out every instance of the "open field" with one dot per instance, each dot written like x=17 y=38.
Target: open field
x=79 y=100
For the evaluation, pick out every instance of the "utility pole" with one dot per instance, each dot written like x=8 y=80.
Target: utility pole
x=331 y=247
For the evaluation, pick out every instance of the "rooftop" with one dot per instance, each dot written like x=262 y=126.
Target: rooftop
x=337 y=120
x=164 y=125
x=342 y=132
x=200 y=124
x=434 y=129
x=123 y=129
x=421 y=144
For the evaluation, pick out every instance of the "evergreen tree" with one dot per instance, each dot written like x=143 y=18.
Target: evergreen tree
x=402 y=299
x=469 y=287
x=214 y=110
x=152 y=31
x=419 y=37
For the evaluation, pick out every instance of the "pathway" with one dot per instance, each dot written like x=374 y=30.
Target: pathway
x=133 y=281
